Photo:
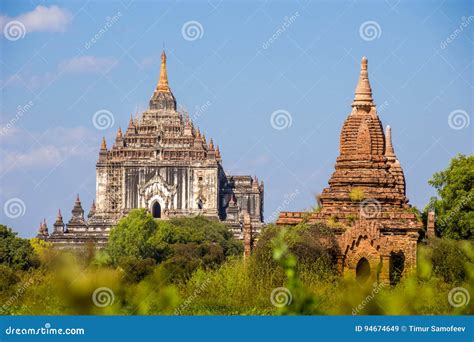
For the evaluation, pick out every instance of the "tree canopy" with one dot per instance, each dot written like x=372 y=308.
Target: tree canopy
x=131 y=236
x=15 y=252
x=181 y=245
x=455 y=206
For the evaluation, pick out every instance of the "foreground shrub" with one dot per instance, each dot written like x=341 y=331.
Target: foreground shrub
x=450 y=259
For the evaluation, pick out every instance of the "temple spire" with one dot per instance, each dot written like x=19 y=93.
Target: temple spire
x=162 y=97
x=163 y=83
x=103 y=146
x=389 y=151
x=363 y=92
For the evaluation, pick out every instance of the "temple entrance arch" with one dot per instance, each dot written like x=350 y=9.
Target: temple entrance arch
x=156 y=210
x=363 y=270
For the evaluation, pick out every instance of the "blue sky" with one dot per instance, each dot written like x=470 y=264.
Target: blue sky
x=241 y=62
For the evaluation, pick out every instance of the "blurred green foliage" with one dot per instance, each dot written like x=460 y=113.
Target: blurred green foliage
x=201 y=271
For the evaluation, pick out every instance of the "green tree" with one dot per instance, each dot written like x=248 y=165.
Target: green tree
x=131 y=236
x=455 y=206
x=16 y=252
x=185 y=244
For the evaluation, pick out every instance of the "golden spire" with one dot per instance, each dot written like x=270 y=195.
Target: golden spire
x=103 y=146
x=389 y=152
x=363 y=92
x=163 y=83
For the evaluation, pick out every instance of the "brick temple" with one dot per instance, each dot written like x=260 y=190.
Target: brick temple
x=365 y=203
x=162 y=163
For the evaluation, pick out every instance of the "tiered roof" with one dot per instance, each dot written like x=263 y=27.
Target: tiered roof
x=367 y=171
x=362 y=162
x=161 y=133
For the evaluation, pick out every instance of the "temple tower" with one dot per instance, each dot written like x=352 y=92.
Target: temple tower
x=365 y=203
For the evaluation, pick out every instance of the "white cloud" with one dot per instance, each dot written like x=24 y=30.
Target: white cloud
x=87 y=64
x=24 y=150
x=41 y=19
x=76 y=65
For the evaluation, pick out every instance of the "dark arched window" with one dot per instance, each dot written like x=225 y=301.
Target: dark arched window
x=156 y=210
x=363 y=270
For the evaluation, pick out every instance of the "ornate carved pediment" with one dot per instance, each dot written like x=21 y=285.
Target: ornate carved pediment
x=157 y=186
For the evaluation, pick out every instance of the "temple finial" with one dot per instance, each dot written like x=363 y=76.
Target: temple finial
x=389 y=151
x=363 y=92
x=103 y=146
x=163 y=83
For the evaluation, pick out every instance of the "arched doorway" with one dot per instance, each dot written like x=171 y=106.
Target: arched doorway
x=156 y=210
x=363 y=270
x=397 y=265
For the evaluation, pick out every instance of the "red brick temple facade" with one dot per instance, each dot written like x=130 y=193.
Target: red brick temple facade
x=365 y=203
